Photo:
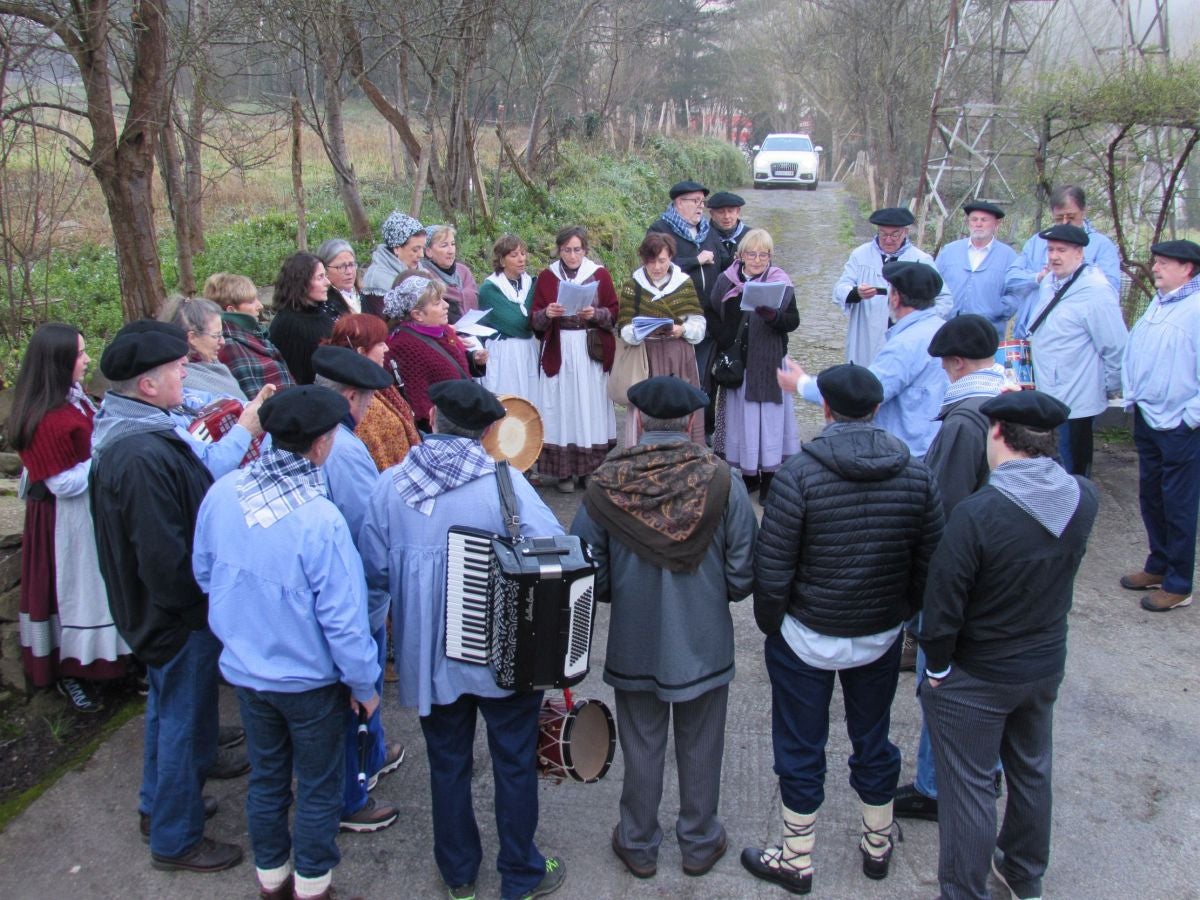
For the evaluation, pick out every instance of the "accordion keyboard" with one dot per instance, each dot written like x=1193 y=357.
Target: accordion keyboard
x=467 y=561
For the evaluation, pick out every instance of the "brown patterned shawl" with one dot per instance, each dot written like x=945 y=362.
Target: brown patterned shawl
x=661 y=500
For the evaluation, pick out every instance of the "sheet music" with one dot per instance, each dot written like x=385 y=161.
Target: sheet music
x=644 y=326
x=469 y=323
x=761 y=293
x=575 y=297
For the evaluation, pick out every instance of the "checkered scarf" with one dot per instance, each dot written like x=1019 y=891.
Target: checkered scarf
x=980 y=383
x=277 y=483
x=439 y=465
x=1192 y=287
x=686 y=230
x=1042 y=488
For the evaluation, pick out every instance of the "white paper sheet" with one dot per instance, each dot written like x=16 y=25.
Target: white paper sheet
x=575 y=297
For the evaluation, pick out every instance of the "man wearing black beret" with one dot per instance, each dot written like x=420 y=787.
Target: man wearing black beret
x=1159 y=375
x=668 y=513
x=974 y=267
x=146 y=487
x=994 y=631
x=447 y=480
x=287 y=601
x=862 y=292
x=724 y=213
x=847 y=533
x=696 y=243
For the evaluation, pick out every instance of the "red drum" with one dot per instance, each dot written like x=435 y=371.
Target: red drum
x=215 y=420
x=577 y=740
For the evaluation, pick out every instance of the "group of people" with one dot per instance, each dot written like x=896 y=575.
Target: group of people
x=933 y=499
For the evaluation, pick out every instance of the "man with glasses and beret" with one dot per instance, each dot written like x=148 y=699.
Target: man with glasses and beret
x=861 y=291
x=974 y=267
x=697 y=246
x=1161 y=378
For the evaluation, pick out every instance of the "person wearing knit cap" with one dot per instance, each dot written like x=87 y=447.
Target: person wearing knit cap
x=146 y=488
x=994 y=633
x=839 y=566
x=861 y=291
x=1162 y=387
x=350 y=475
x=697 y=245
x=913 y=382
x=401 y=251
x=269 y=532
x=450 y=480
x=1076 y=336
x=975 y=267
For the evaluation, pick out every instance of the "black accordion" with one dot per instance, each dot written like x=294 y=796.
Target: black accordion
x=525 y=608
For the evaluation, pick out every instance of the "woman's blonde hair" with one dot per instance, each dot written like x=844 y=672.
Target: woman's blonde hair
x=226 y=289
x=756 y=239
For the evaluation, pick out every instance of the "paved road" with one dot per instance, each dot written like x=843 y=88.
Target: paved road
x=1127 y=801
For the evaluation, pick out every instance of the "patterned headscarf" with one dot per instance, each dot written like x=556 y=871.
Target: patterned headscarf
x=403 y=298
x=398 y=228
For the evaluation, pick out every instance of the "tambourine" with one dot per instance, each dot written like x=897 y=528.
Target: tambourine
x=576 y=740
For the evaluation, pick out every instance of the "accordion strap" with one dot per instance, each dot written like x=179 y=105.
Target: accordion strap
x=508 y=501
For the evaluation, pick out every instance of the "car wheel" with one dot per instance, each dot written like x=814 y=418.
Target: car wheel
x=757 y=186
x=813 y=186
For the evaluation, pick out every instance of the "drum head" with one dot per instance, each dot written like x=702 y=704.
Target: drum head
x=518 y=436
x=590 y=741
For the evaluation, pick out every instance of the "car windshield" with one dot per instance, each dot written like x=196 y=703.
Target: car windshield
x=781 y=142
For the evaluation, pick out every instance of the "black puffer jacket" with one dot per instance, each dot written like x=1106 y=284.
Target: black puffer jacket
x=846 y=538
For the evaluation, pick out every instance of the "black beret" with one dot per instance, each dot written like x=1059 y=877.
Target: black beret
x=466 y=403
x=302 y=414
x=983 y=206
x=915 y=280
x=1034 y=409
x=145 y=326
x=850 y=390
x=137 y=349
x=893 y=216
x=724 y=200
x=1067 y=234
x=687 y=187
x=1184 y=251
x=666 y=397
x=348 y=367
x=969 y=336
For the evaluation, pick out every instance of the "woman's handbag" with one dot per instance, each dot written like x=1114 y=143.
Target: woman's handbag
x=595 y=346
x=629 y=367
x=729 y=368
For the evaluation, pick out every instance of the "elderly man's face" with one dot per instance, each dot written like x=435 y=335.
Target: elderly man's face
x=891 y=239
x=1170 y=274
x=982 y=226
x=690 y=207
x=1070 y=213
x=724 y=218
x=1063 y=258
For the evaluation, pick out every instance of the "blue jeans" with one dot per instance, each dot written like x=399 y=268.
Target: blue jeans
x=512 y=730
x=1075 y=445
x=180 y=745
x=800 y=697
x=1169 y=495
x=354 y=796
x=300 y=733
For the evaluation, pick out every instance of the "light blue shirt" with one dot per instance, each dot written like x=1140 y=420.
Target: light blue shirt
x=979 y=291
x=219 y=457
x=288 y=602
x=1021 y=281
x=1161 y=365
x=404 y=553
x=868 y=319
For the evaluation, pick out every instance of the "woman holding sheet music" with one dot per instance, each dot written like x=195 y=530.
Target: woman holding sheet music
x=753 y=308
x=661 y=290
x=508 y=294
x=574 y=312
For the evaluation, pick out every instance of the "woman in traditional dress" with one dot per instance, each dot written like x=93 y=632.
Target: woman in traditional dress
x=401 y=252
x=304 y=314
x=251 y=357
x=341 y=265
x=388 y=427
x=756 y=428
x=661 y=290
x=423 y=343
x=67 y=633
x=577 y=416
x=441 y=261
x=513 y=350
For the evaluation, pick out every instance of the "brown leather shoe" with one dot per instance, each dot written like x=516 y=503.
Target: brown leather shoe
x=283 y=892
x=207 y=856
x=210 y=810
x=634 y=869
x=908 y=653
x=1161 y=601
x=705 y=865
x=1140 y=581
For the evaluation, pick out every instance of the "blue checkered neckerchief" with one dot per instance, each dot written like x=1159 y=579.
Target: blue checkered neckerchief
x=980 y=383
x=277 y=483
x=1042 y=488
x=687 y=231
x=1192 y=287
x=437 y=465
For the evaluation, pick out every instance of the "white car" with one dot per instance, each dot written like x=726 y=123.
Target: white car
x=787 y=159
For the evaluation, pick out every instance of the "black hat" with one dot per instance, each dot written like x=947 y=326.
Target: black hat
x=915 y=280
x=724 y=200
x=666 y=397
x=301 y=414
x=969 y=336
x=687 y=187
x=466 y=403
x=348 y=367
x=983 y=206
x=1034 y=409
x=1184 y=251
x=892 y=216
x=153 y=326
x=850 y=390
x=1067 y=234
x=136 y=349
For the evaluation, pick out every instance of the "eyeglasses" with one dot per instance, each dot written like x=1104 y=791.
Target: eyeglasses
x=698 y=201
x=756 y=254
x=345 y=267
x=216 y=336
x=892 y=235
x=571 y=250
